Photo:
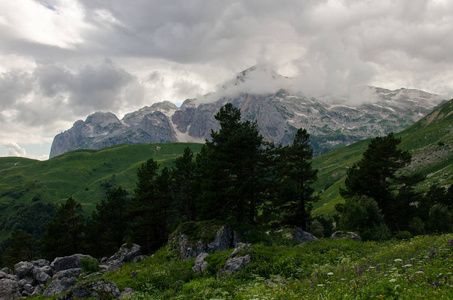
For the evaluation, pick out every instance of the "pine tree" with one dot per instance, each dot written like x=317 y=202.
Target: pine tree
x=185 y=186
x=22 y=248
x=107 y=228
x=148 y=209
x=230 y=166
x=64 y=233
x=296 y=177
x=375 y=176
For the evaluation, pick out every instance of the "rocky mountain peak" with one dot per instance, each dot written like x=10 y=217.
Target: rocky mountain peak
x=262 y=95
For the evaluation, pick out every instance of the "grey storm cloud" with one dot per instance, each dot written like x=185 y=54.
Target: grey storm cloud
x=98 y=88
x=59 y=92
x=14 y=85
x=63 y=59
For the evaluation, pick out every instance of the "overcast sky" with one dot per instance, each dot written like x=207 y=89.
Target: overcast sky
x=61 y=60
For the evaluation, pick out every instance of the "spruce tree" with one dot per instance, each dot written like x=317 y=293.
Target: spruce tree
x=22 y=248
x=185 y=186
x=296 y=177
x=376 y=176
x=148 y=209
x=64 y=233
x=107 y=229
x=230 y=166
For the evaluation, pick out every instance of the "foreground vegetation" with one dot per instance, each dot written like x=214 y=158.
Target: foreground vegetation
x=421 y=267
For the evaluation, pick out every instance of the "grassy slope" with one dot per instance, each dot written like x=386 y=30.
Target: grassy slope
x=342 y=269
x=82 y=174
x=430 y=141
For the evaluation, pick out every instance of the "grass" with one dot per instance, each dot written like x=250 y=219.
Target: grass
x=85 y=175
x=430 y=141
x=421 y=267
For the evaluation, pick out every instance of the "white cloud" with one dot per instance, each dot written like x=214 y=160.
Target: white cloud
x=61 y=60
x=14 y=149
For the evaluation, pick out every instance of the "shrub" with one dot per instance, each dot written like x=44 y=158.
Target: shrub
x=439 y=219
x=89 y=265
x=417 y=226
x=403 y=235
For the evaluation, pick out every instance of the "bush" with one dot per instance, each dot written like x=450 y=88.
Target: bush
x=403 y=235
x=89 y=265
x=362 y=215
x=439 y=219
x=417 y=226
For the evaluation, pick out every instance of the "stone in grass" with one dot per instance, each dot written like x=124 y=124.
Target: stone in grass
x=348 y=235
x=95 y=289
x=302 y=236
x=235 y=264
x=68 y=262
x=200 y=263
x=59 y=286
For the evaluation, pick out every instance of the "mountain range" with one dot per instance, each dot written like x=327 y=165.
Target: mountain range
x=28 y=187
x=332 y=121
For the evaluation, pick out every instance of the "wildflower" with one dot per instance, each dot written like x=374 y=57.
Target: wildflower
x=320 y=284
x=407 y=266
x=392 y=280
x=329 y=274
x=398 y=260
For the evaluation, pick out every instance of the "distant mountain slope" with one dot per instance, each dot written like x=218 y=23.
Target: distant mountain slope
x=333 y=122
x=430 y=141
x=85 y=175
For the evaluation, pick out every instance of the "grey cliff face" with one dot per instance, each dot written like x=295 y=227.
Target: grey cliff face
x=332 y=122
x=100 y=130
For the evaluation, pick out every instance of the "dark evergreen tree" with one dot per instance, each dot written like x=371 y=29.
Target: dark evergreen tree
x=375 y=176
x=185 y=186
x=107 y=229
x=22 y=248
x=231 y=161
x=64 y=233
x=296 y=177
x=148 y=209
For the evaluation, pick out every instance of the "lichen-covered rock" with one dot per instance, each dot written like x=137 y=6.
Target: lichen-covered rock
x=348 y=235
x=7 y=270
x=69 y=273
x=235 y=264
x=41 y=263
x=9 y=289
x=200 y=263
x=59 y=286
x=95 y=289
x=187 y=247
x=125 y=254
x=239 y=247
x=23 y=268
x=68 y=262
x=40 y=276
x=139 y=258
x=37 y=291
x=302 y=236
x=3 y=275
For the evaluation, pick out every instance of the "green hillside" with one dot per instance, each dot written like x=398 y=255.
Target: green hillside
x=85 y=175
x=430 y=141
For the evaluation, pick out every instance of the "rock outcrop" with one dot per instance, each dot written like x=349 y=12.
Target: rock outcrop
x=225 y=238
x=41 y=277
x=123 y=255
x=100 y=130
x=236 y=262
